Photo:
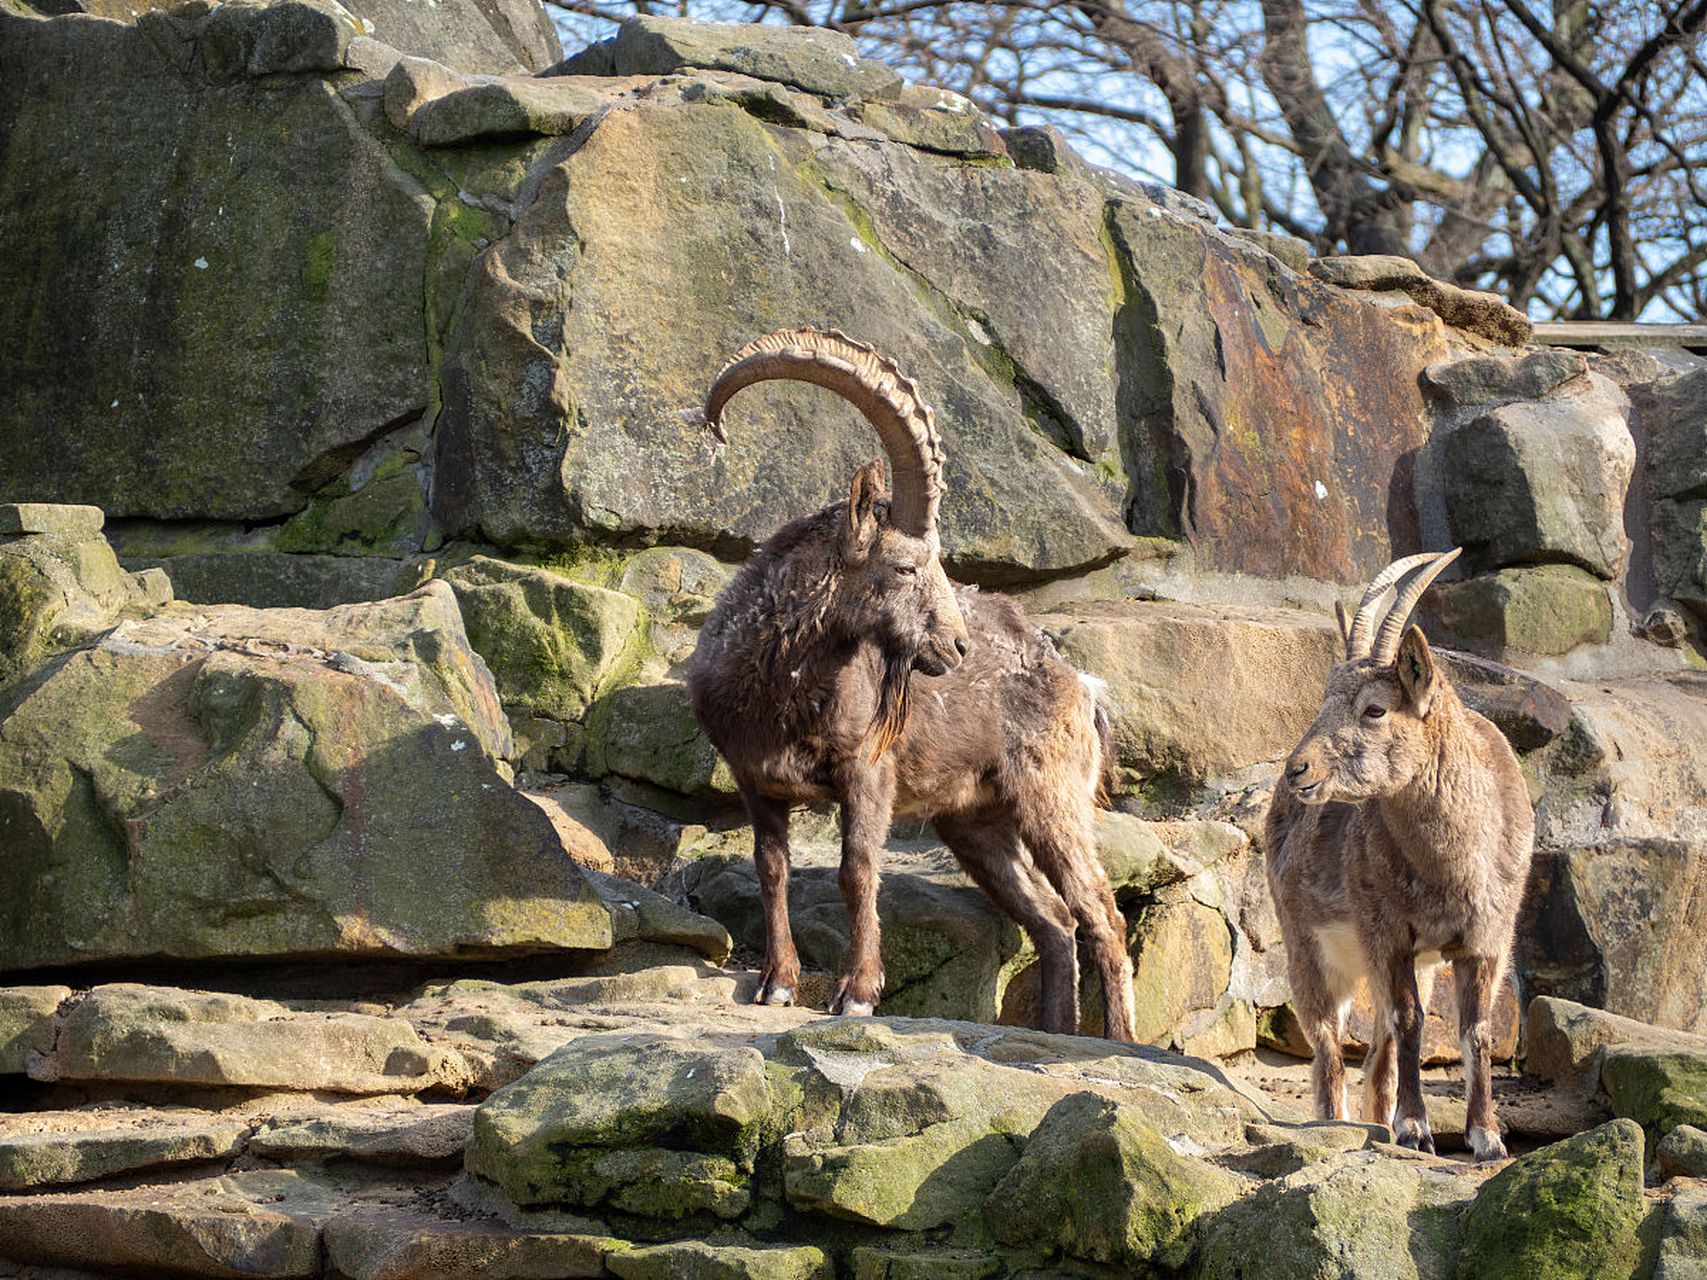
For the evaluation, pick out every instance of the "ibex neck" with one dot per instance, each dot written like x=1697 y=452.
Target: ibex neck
x=1438 y=815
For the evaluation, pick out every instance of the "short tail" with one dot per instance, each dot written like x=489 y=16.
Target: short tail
x=1098 y=693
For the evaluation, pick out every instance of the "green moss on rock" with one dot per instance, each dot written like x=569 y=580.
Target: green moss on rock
x=648 y=732
x=703 y=1260
x=687 y=1118
x=1355 y=1216
x=1567 y=1211
x=1098 y=1182
x=1657 y=1090
x=554 y=645
x=383 y=515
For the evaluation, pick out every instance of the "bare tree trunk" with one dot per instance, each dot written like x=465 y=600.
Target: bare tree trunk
x=1354 y=209
x=1175 y=76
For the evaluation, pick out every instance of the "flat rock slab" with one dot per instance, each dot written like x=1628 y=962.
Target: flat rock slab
x=41 y=1149
x=262 y=1224
x=399 y=1245
x=1566 y=1040
x=509 y=108
x=700 y=1260
x=819 y=61
x=70 y=520
x=407 y=1135
x=137 y=1033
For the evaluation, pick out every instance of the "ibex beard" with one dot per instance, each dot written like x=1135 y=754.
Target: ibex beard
x=841 y=666
x=1400 y=837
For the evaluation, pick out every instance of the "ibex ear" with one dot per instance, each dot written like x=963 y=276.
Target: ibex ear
x=859 y=534
x=1416 y=670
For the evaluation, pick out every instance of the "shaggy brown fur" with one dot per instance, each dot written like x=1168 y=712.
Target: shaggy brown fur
x=1399 y=837
x=831 y=670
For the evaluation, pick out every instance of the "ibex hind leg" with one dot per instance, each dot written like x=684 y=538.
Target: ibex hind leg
x=1058 y=834
x=990 y=851
x=1398 y=972
x=1478 y=987
x=1381 y=1067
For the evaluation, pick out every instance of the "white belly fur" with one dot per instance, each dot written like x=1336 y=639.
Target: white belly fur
x=1342 y=955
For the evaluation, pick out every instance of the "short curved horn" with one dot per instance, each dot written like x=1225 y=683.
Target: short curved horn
x=1363 y=622
x=1393 y=625
x=874 y=385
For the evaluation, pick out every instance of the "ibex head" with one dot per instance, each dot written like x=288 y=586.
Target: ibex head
x=1371 y=735
x=893 y=589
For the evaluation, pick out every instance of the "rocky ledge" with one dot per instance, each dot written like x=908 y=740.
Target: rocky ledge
x=647 y=1121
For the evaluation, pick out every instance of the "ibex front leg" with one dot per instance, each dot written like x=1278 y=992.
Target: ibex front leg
x=780 y=979
x=1398 y=972
x=1478 y=984
x=866 y=807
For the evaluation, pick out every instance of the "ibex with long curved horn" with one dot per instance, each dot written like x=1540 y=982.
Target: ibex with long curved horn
x=841 y=665
x=1400 y=836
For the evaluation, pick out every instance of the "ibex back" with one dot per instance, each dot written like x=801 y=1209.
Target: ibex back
x=841 y=665
x=1400 y=836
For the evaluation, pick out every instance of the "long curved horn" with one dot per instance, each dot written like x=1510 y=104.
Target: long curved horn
x=872 y=384
x=1363 y=622
x=1393 y=625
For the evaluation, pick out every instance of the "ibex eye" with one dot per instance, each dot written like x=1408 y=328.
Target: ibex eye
x=1374 y=713
x=906 y=570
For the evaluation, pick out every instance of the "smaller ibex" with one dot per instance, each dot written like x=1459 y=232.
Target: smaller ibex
x=841 y=665
x=1399 y=837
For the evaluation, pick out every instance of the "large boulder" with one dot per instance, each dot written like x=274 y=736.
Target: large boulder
x=1201 y=692
x=563 y=422
x=554 y=644
x=495 y=37
x=1571 y=1209
x=1614 y=917
x=240 y=782
x=1273 y=418
x=196 y=208
x=810 y=58
x=1673 y=410
x=1345 y=1217
x=1682 y=1253
x=1565 y=1042
x=1643 y=910
x=655 y=1126
x=1659 y=1090
x=1680 y=551
x=1098 y=1182
x=1543 y=481
x=1545 y=610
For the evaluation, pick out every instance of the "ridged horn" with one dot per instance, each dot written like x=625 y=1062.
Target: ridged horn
x=1393 y=626
x=1363 y=621
x=874 y=385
